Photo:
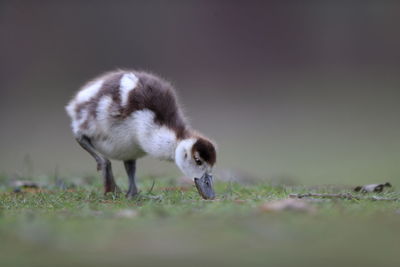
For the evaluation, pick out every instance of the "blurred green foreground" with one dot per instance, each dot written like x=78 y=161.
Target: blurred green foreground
x=172 y=226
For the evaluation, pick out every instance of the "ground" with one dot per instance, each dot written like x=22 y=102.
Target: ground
x=170 y=225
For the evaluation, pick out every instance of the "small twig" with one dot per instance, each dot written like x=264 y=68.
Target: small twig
x=374 y=198
x=151 y=188
x=342 y=196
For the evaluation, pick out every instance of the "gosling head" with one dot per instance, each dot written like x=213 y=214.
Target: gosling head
x=195 y=157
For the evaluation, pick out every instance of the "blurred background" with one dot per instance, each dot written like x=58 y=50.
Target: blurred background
x=306 y=93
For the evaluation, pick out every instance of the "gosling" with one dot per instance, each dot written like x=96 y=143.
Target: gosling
x=125 y=115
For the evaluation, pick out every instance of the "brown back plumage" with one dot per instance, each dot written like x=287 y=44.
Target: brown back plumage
x=151 y=93
x=206 y=150
x=158 y=96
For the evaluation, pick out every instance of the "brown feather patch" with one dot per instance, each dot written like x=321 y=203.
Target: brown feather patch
x=151 y=93
x=206 y=150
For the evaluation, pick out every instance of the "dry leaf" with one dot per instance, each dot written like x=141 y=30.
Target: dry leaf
x=126 y=213
x=377 y=188
x=288 y=205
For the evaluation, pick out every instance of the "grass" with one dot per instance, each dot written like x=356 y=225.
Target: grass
x=171 y=225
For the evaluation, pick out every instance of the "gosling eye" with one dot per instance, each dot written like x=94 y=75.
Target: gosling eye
x=198 y=162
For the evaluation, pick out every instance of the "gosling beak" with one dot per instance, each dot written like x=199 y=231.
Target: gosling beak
x=205 y=186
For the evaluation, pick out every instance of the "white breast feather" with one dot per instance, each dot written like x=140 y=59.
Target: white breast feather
x=83 y=96
x=77 y=123
x=158 y=141
x=103 y=113
x=90 y=91
x=136 y=136
x=128 y=82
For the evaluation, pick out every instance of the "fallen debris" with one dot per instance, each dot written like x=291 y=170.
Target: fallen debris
x=377 y=188
x=24 y=184
x=288 y=204
x=126 y=213
x=342 y=196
